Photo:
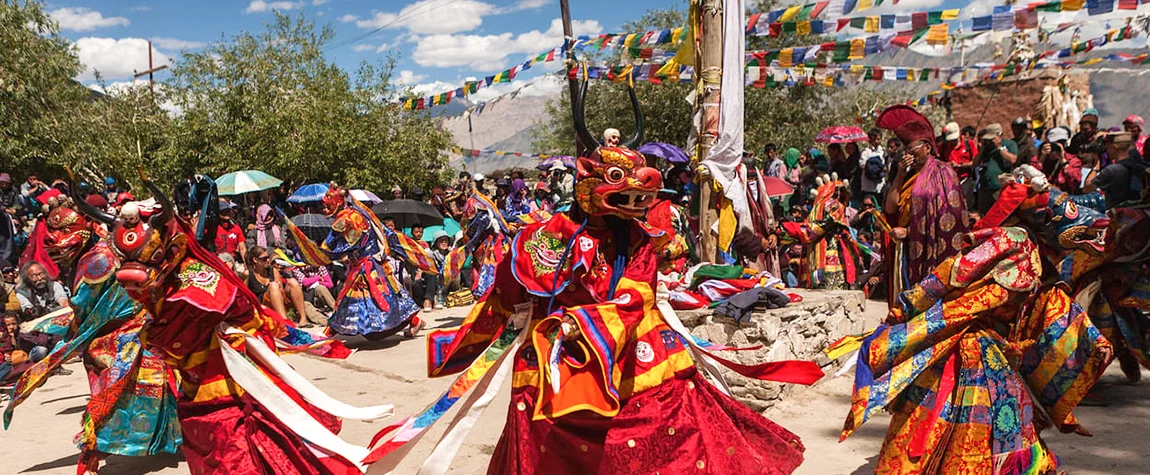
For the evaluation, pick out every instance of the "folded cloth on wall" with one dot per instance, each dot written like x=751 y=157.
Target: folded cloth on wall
x=740 y=305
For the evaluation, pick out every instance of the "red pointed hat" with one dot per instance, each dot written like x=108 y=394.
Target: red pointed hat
x=907 y=124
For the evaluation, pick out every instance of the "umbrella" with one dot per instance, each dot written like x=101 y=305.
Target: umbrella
x=568 y=162
x=308 y=193
x=450 y=226
x=246 y=181
x=408 y=212
x=365 y=196
x=314 y=225
x=777 y=187
x=841 y=134
x=665 y=151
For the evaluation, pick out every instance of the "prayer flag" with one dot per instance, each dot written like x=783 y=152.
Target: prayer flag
x=842 y=51
x=1003 y=21
x=903 y=39
x=848 y=6
x=981 y=23
x=805 y=12
x=951 y=14
x=886 y=21
x=865 y=5
x=818 y=10
x=858 y=48
x=872 y=24
x=1127 y=4
x=776 y=29
x=934 y=18
x=1099 y=7
x=817 y=27
x=803 y=28
x=843 y=22
x=790 y=13
x=1050 y=7
x=752 y=26
x=789 y=27
x=919 y=20
x=1026 y=19
x=858 y=22
x=1072 y=5
x=785 y=57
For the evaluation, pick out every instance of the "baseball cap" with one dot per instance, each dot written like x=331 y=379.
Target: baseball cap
x=950 y=130
x=109 y=181
x=1057 y=134
x=1133 y=120
x=479 y=177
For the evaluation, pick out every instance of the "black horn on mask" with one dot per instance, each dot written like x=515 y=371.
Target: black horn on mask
x=168 y=208
x=637 y=138
x=81 y=203
x=586 y=139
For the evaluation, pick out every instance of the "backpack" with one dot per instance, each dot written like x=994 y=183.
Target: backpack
x=873 y=170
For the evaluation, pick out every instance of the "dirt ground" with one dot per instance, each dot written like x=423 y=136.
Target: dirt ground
x=39 y=440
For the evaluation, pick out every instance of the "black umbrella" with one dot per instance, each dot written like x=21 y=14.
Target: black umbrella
x=314 y=225
x=408 y=212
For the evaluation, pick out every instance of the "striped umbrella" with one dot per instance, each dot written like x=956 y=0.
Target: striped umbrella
x=246 y=181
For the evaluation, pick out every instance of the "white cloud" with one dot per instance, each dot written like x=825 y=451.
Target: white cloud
x=117 y=88
x=115 y=58
x=531 y=4
x=83 y=19
x=489 y=52
x=260 y=6
x=435 y=87
x=348 y=18
x=433 y=17
x=362 y=47
x=318 y=2
x=408 y=78
x=176 y=44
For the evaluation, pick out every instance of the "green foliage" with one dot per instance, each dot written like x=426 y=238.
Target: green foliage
x=272 y=102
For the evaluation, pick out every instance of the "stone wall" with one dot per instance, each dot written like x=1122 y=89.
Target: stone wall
x=799 y=331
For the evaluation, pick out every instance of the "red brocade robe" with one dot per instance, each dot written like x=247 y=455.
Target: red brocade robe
x=226 y=431
x=631 y=400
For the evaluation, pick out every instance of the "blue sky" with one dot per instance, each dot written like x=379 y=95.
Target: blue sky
x=439 y=43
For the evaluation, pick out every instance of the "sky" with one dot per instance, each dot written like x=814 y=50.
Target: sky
x=438 y=43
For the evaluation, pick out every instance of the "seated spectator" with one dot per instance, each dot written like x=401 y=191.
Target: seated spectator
x=238 y=267
x=21 y=350
x=8 y=290
x=317 y=285
x=426 y=288
x=266 y=279
x=229 y=235
x=38 y=294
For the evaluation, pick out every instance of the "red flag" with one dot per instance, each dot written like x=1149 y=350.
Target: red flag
x=818 y=9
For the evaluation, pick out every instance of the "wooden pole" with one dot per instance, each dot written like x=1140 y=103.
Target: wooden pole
x=572 y=84
x=710 y=76
x=151 y=72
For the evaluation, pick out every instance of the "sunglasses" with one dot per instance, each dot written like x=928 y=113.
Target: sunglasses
x=262 y=258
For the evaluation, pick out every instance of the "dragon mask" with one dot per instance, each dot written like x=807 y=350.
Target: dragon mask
x=1057 y=219
x=69 y=233
x=334 y=200
x=148 y=253
x=613 y=181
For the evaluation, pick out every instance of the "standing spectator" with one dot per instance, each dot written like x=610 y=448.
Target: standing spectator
x=396 y=192
x=1133 y=124
x=854 y=161
x=775 y=165
x=1090 y=156
x=9 y=197
x=38 y=294
x=1024 y=140
x=1087 y=129
x=1062 y=168
x=873 y=165
x=111 y=192
x=563 y=186
x=229 y=235
x=995 y=157
x=1121 y=181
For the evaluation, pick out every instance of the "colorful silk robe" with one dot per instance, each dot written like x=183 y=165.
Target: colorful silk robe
x=372 y=300
x=621 y=396
x=132 y=411
x=983 y=360
x=830 y=255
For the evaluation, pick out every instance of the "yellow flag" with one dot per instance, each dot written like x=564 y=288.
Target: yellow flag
x=629 y=40
x=911 y=74
x=1092 y=61
x=685 y=55
x=803 y=28
x=864 y=5
x=1072 y=5
x=676 y=34
x=858 y=48
x=939 y=34
x=829 y=81
x=950 y=14
x=728 y=224
x=871 y=25
x=785 y=57
x=857 y=69
x=791 y=13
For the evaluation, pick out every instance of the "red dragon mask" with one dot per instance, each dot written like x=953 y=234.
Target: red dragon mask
x=333 y=201
x=149 y=254
x=615 y=181
x=69 y=233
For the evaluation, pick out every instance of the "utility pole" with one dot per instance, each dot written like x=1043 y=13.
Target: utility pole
x=710 y=74
x=151 y=72
x=572 y=83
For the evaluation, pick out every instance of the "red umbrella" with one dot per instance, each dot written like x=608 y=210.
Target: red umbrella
x=777 y=187
x=841 y=134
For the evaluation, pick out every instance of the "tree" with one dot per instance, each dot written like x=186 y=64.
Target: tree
x=42 y=109
x=272 y=101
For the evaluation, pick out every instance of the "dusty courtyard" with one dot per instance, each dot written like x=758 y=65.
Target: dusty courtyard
x=39 y=441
